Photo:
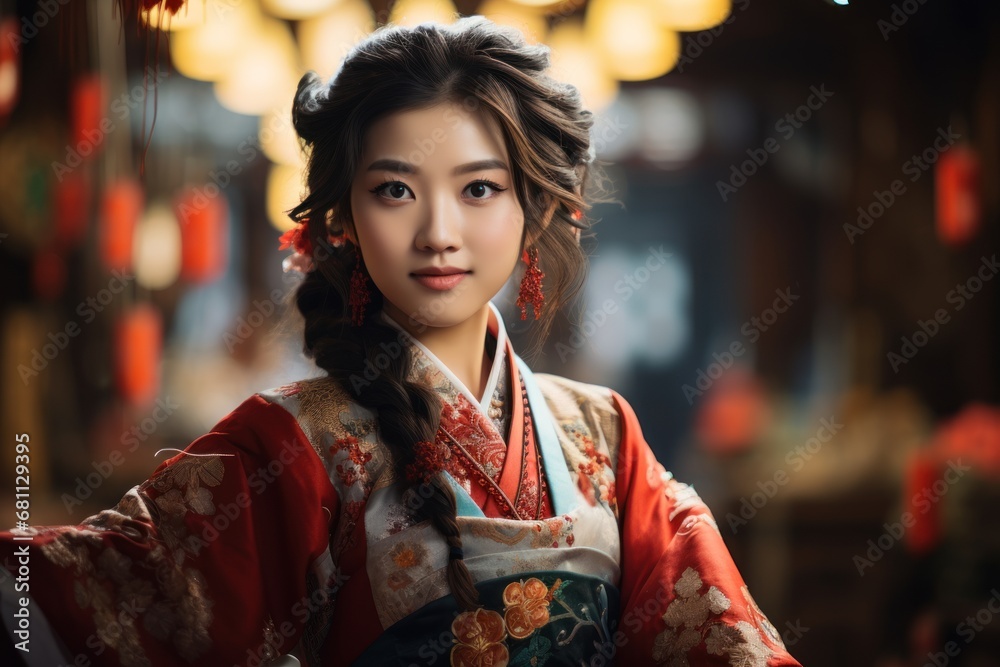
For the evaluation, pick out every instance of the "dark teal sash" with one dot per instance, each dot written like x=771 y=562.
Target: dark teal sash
x=550 y=618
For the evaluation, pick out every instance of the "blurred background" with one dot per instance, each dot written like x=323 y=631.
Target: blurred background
x=795 y=291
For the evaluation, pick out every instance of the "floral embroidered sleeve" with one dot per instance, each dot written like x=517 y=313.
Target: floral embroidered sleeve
x=213 y=560
x=683 y=602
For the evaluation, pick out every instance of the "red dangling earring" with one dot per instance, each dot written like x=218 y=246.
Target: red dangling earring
x=531 y=285
x=359 y=296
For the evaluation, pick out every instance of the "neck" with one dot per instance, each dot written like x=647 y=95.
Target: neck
x=461 y=347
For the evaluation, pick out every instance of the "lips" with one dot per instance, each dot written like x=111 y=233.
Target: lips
x=440 y=278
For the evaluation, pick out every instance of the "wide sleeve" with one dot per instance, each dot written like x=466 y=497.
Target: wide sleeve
x=207 y=562
x=683 y=600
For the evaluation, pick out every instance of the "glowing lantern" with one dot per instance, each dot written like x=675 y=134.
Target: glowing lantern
x=635 y=47
x=265 y=76
x=157 y=250
x=530 y=22
x=204 y=223
x=88 y=117
x=10 y=65
x=120 y=211
x=414 y=12
x=208 y=50
x=297 y=9
x=691 y=15
x=138 y=341
x=325 y=40
x=575 y=62
x=957 y=183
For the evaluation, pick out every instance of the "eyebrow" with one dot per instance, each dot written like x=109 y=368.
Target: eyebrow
x=407 y=168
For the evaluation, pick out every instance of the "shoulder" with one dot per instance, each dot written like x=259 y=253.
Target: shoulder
x=322 y=406
x=580 y=406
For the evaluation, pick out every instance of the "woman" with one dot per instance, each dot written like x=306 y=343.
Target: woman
x=430 y=500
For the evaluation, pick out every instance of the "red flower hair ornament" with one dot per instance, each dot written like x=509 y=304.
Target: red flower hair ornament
x=298 y=238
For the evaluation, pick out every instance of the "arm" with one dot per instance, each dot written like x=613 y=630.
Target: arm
x=683 y=600
x=200 y=563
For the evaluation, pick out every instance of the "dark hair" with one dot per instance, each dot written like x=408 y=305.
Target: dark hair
x=482 y=66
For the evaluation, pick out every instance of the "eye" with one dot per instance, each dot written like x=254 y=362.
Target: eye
x=394 y=188
x=482 y=186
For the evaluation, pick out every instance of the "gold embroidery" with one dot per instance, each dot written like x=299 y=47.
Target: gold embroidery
x=509 y=535
x=175 y=608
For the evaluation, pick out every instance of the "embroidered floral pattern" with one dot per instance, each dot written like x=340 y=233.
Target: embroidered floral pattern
x=469 y=426
x=479 y=636
x=526 y=607
x=170 y=601
x=692 y=617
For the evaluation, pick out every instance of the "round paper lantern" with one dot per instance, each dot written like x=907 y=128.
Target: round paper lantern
x=634 y=45
x=958 y=202
x=156 y=254
x=120 y=210
x=203 y=215
x=10 y=66
x=138 y=342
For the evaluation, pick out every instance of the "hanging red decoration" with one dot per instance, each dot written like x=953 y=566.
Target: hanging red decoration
x=204 y=222
x=958 y=201
x=120 y=210
x=10 y=66
x=138 y=344
x=88 y=118
x=71 y=205
x=921 y=474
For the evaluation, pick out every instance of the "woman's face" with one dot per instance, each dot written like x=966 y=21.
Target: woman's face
x=434 y=195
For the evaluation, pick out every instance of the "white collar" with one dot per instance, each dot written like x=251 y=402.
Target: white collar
x=499 y=358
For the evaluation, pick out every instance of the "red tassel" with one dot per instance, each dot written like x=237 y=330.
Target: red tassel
x=531 y=285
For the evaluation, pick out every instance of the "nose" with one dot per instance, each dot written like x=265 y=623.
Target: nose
x=441 y=229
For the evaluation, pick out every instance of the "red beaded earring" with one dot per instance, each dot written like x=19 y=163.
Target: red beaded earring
x=531 y=285
x=359 y=296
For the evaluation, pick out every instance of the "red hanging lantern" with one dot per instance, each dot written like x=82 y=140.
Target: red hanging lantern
x=138 y=343
x=204 y=222
x=120 y=210
x=72 y=208
x=958 y=202
x=10 y=66
x=89 y=119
